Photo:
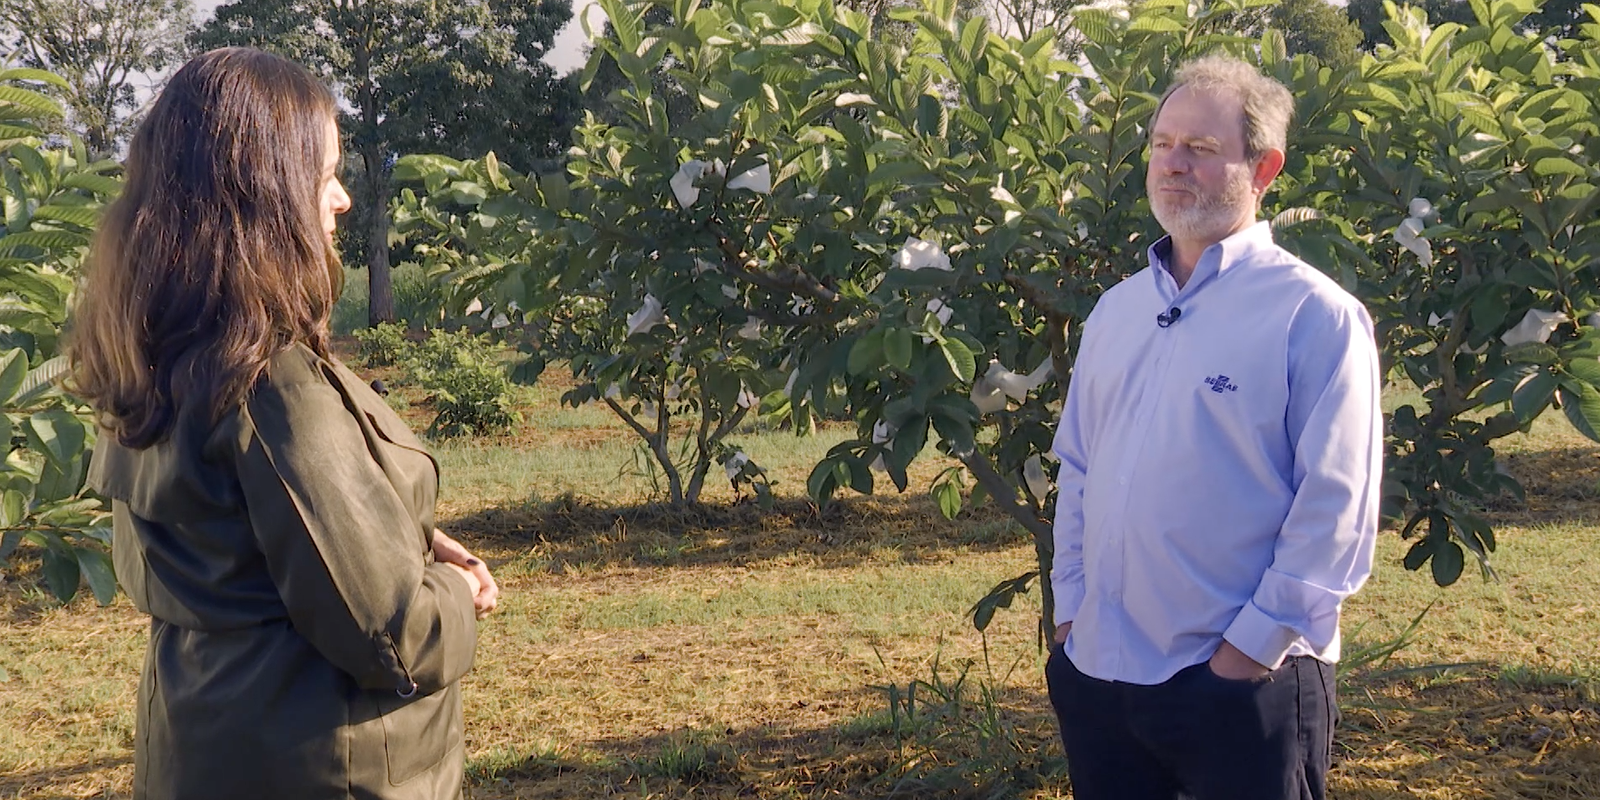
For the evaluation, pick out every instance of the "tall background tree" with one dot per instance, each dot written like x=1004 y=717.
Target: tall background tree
x=1318 y=28
x=460 y=78
x=1024 y=18
x=1560 y=18
x=103 y=49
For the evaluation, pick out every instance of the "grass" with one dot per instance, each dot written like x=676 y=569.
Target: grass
x=730 y=652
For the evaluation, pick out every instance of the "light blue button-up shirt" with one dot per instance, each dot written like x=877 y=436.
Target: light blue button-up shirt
x=1219 y=476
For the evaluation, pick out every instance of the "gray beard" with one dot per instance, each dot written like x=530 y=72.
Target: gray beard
x=1211 y=217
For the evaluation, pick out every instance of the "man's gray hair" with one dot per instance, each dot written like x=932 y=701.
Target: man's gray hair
x=1268 y=106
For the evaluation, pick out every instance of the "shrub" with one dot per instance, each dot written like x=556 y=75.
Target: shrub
x=383 y=345
x=418 y=298
x=350 y=310
x=469 y=386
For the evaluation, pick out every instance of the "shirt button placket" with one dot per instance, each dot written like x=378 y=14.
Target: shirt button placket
x=1151 y=389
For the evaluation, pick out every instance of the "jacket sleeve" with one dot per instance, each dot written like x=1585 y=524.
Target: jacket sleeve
x=345 y=552
x=1325 y=547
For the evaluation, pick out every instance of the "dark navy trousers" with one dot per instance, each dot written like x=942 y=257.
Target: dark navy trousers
x=1197 y=736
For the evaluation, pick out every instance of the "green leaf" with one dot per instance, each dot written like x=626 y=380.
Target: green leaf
x=99 y=184
x=527 y=373
x=41 y=382
x=1581 y=403
x=58 y=481
x=948 y=495
x=1448 y=561
x=822 y=484
x=42 y=240
x=60 y=568
x=57 y=434
x=13 y=371
x=8 y=544
x=1559 y=166
x=13 y=508
x=932 y=117
x=1531 y=353
x=1000 y=597
x=1584 y=369
x=960 y=358
x=467 y=193
x=30 y=74
x=33 y=101
x=897 y=346
x=82 y=216
x=978 y=495
x=491 y=168
x=867 y=353
x=909 y=440
x=1418 y=554
x=1533 y=395
x=557 y=195
x=97 y=572
x=953 y=418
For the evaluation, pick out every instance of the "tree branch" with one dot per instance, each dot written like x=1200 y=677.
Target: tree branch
x=622 y=413
x=793 y=320
x=1005 y=495
x=790 y=279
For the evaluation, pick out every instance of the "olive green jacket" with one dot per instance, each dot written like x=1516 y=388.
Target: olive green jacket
x=303 y=642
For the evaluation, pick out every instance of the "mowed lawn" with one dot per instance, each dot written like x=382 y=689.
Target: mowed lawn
x=731 y=651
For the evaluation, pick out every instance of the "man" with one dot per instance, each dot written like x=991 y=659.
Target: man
x=1220 y=448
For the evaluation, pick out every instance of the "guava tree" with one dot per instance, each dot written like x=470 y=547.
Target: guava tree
x=907 y=232
x=51 y=199
x=1460 y=185
x=911 y=233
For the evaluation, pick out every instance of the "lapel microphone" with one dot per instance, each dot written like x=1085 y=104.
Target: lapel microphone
x=1165 y=319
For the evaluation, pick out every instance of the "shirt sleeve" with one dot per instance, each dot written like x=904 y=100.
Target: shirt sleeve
x=1066 y=567
x=1325 y=547
x=345 y=552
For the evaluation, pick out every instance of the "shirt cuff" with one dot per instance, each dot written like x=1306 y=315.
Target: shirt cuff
x=1262 y=638
x=1069 y=598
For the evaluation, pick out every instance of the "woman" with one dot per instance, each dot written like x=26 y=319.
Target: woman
x=272 y=515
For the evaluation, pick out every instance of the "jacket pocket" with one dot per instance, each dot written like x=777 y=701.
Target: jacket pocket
x=419 y=732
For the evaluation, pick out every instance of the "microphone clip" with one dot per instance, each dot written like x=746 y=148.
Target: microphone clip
x=1166 y=318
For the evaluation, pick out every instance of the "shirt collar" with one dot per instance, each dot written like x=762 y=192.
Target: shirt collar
x=1215 y=260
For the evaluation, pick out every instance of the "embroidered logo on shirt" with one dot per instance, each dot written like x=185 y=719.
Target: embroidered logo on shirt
x=1219 y=384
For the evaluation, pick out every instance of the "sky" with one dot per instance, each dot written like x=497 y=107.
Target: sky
x=565 y=56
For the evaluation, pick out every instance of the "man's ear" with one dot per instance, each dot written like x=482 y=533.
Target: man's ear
x=1267 y=167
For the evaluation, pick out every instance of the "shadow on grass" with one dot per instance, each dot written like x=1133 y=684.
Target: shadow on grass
x=1495 y=734
x=61 y=783
x=1562 y=487
x=932 y=755
x=1482 y=733
x=573 y=529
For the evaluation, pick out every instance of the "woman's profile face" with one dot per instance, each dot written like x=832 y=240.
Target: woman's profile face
x=333 y=200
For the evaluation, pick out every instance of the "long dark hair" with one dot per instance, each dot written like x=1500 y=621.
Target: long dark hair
x=213 y=259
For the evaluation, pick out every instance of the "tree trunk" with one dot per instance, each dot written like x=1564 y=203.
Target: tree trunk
x=1042 y=530
x=375 y=156
x=380 y=285
x=1044 y=549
